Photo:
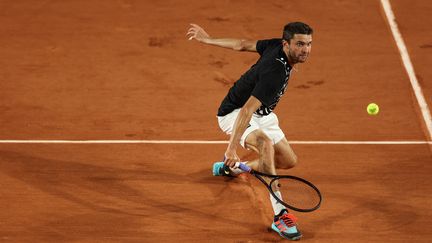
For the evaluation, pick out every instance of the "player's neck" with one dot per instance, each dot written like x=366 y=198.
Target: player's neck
x=290 y=62
x=289 y=58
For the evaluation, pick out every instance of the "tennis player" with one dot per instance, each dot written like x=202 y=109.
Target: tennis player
x=246 y=113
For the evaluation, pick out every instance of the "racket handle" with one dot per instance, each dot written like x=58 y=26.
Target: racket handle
x=243 y=167
x=226 y=170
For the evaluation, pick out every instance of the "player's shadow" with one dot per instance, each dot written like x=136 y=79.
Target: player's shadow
x=75 y=181
x=70 y=180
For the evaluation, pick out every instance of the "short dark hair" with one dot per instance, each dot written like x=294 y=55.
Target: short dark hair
x=296 y=28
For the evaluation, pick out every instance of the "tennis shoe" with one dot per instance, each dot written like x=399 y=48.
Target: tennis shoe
x=220 y=169
x=285 y=225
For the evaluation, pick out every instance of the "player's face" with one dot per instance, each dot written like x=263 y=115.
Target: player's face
x=298 y=48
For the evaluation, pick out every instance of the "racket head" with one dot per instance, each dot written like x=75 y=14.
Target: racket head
x=297 y=193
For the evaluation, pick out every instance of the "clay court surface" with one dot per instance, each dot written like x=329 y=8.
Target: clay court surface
x=124 y=70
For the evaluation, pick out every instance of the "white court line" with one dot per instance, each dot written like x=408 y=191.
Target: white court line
x=408 y=65
x=201 y=142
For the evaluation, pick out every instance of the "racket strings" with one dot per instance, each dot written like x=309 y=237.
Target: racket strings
x=297 y=193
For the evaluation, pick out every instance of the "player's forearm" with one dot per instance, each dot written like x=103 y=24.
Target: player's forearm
x=235 y=44
x=198 y=33
x=240 y=126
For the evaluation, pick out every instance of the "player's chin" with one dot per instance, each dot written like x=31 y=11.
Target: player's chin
x=302 y=59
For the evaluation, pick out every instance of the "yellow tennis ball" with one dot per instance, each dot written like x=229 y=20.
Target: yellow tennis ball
x=372 y=109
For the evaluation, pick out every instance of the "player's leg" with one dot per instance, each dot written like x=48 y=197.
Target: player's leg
x=262 y=142
x=259 y=142
x=284 y=223
x=285 y=158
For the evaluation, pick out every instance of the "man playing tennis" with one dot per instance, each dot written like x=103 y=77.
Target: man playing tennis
x=246 y=113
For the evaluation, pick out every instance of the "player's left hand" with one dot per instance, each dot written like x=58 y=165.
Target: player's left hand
x=198 y=33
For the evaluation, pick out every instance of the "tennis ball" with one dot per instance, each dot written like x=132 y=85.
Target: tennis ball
x=372 y=109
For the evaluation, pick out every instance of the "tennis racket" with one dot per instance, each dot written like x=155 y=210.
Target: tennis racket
x=297 y=193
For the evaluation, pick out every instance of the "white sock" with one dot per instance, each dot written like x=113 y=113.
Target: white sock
x=277 y=207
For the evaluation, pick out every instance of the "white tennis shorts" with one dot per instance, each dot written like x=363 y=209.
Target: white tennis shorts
x=268 y=124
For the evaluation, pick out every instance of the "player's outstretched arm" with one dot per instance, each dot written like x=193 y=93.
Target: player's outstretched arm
x=240 y=126
x=198 y=33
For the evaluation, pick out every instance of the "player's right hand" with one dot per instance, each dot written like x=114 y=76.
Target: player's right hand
x=231 y=158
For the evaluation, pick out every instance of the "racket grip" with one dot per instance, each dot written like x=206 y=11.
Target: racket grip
x=243 y=167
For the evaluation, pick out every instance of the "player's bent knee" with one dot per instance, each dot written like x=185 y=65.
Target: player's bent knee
x=292 y=162
x=287 y=163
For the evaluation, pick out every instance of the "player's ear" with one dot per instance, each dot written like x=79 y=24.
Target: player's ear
x=285 y=43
